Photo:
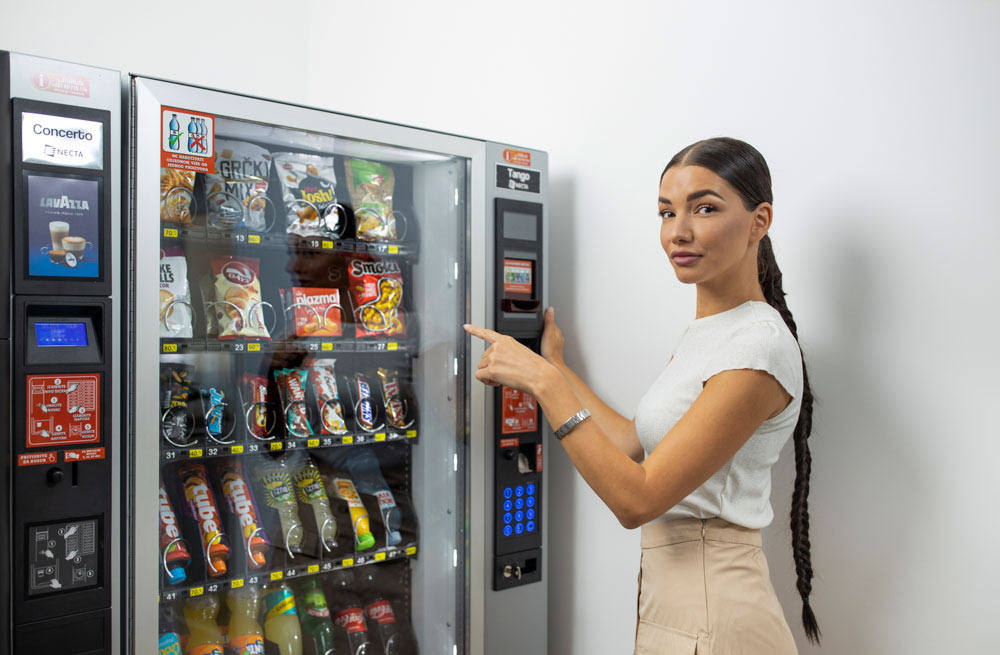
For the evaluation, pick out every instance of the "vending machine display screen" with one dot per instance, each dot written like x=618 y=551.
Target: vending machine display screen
x=49 y=335
x=64 y=222
x=520 y=226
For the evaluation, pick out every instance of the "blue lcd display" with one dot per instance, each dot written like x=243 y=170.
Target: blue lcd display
x=60 y=334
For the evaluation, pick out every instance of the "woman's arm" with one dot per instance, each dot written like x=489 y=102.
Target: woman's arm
x=619 y=429
x=729 y=409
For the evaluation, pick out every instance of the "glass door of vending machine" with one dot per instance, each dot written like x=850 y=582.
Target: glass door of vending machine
x=299 y=410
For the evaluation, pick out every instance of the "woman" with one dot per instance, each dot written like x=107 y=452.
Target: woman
x=693 y=468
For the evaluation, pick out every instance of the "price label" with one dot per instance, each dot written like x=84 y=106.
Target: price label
x=277 y=575
x=170 y=232
x=347 y=439
x=326 y=346
x=410 y=434
x=236 y=584
x=170 y=347
x=411 y=550
x=379 y=557
x=347 y=562
x=196 y=591
x=195 y=452
x=253 y=347
x=313 y=568
x=393 y=250
x=237 y=450
x=328 y=245
x=253 y=238
x=380 y=436
x=392 y=345
x=276 y=445
x=312 y=443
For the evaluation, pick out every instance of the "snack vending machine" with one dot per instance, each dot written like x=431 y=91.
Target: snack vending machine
x=311 y=467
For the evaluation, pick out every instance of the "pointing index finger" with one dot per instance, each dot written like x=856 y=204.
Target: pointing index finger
x=486 y=335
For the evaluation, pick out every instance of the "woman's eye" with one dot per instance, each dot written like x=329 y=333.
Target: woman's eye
x=706 y=207
x=663 y=214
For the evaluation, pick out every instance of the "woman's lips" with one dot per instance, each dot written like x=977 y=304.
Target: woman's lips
x=686 y=260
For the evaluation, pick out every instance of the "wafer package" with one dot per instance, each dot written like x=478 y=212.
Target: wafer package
x=377 y=293
x=308 y=185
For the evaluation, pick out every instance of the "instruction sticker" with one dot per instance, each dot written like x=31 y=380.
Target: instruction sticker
x=519 y=412
x=188 y=140
x=63 y=409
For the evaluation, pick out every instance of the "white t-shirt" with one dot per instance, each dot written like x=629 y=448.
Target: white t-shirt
x=752 y=335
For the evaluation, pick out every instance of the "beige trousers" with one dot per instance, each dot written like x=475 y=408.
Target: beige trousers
x=705 y=588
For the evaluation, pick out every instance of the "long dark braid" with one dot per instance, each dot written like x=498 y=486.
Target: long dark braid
x=743 y=167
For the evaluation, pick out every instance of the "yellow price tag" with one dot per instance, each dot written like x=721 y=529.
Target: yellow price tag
x=392 y=345
x=380 y=436
x=379 y=557
x=312 y=443
x=411 y=550
x=328 y=245
x=326 y=345
x=236 y=584
x=277 y=575
x=195 y=452
x=277 y=445
x=196 y=591
x=170 y=347
x=313 y=568
x=253 y=347
x=170 y=232
x=236 y=450
x=253 y=238
x=411 y=434
x=347 y=562
x=393 y=250
x=347 y=439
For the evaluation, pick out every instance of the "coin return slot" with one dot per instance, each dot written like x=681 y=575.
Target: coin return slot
x=74 y=474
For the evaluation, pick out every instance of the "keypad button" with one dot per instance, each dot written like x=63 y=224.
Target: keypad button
x=507 y=506
x=530 y=514
x=507 y=531
x=530 y=502
x=508 y=492
x=518 y=528
x=519 y=503
x=518 y=516
x=519 y=491
x=530 y=489
x=531 y=526
x=507 y=518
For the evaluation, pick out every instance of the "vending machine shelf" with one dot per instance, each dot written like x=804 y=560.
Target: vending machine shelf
x=319 y=442
x=302 y=345
x=255 y=241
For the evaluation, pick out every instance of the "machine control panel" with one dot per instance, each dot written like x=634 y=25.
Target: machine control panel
x=64 y=556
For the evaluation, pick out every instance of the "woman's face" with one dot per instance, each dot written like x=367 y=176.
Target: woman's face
x=701 y=213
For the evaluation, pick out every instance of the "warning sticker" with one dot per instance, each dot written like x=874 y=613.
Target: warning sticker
x=63 y=409
x=519 y=412
x=188 y=140
x=519 y=157
x=517 y=276
x=510 y=442
x=34 y=459
x=84 y=455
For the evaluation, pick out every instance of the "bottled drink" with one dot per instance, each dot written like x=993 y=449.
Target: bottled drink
x=173 y=551
x=364 y=469
x=206 y=638
x=309 y=489
x=244 y=636
x=344 y=488
x=393 y=636
x=277 y=482
x=175 y=133
x=171 y=630
x=349 y=615
x=192 y=131
x=281 y=625
x=314 y=616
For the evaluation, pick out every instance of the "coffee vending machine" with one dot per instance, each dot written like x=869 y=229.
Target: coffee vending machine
x=60 y=154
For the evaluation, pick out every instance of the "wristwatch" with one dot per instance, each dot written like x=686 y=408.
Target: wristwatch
x=572 y=422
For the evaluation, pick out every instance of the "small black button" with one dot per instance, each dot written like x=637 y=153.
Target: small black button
x=55 y=475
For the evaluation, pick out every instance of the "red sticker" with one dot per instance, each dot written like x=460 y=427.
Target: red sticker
x=34 y=459
x=519 y=412
x=71 y=85
x=63 y=409
x=520 y=157
x=517 y=276
x=84 y=455
x=187 y=140
x=510 y=442
x=538 y=457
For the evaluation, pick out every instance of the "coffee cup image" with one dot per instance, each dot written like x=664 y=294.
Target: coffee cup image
x=76 y=245
x=57 y=231
x=57 y=256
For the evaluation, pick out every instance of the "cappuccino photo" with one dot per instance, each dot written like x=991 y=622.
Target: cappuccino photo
x=63 y=227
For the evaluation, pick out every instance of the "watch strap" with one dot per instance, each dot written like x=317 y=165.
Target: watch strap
x=572 y=422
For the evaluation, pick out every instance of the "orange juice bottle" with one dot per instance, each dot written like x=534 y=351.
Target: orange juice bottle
x=245 y=636
x=200 y=613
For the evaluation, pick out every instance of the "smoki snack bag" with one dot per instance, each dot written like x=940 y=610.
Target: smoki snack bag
x=377 y=292
x=323 y=380
x=236 y=194
x=237 y=307
x=308 y=185
x=317 y=312
x=176 y=313
x=370 y=185
x=176 y=196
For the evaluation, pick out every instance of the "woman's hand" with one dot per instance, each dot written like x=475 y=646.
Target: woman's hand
x=552 y=339
x=510 y=363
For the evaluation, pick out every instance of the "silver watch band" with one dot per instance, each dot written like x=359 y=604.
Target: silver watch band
x=572 y=422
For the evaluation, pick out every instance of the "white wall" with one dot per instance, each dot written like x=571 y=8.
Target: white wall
x=880 y=128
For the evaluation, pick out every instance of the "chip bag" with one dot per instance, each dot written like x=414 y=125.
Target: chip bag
x=237 y=307
x=176 y=194
x=377 y=291
x=317 y=311
x=236 y=194
x=308 y=189
x=370 y=185
x=175 y=296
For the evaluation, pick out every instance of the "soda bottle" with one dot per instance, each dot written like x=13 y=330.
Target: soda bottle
x=277 y=482
x=309 y=489
x=244 y=636
x=206 y=638
x=171 y=630
x=314 y=616
x=175 y=133
x=392 y=635
x=364 y=469
x=192 y=131
x=344 y=488
x=349 y=616
x=281 y=625
x=172 y=549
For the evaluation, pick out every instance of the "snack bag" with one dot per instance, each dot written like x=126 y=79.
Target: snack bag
x=396 y=405
x=307 y=187
x=253 y=389
x=370 y=185
x=176 y=193
x=237 y=307
x=317 y=312
x=176 y=391
x=292 y=387
x=236 y=194
x=175 y=296
x=377 y=292
x=323 y=379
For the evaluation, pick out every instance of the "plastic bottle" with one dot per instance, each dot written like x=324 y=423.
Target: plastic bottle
x=314 y=617
x=344 y=487
x=245 y=636
x=364 y=469
x=392 y=635
x=175 y=133
x=278 y=493
x=206 y=638
x=171 y=630
x=349 y=615
x=192 y=131
x=281 y=625
x=310 y=490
